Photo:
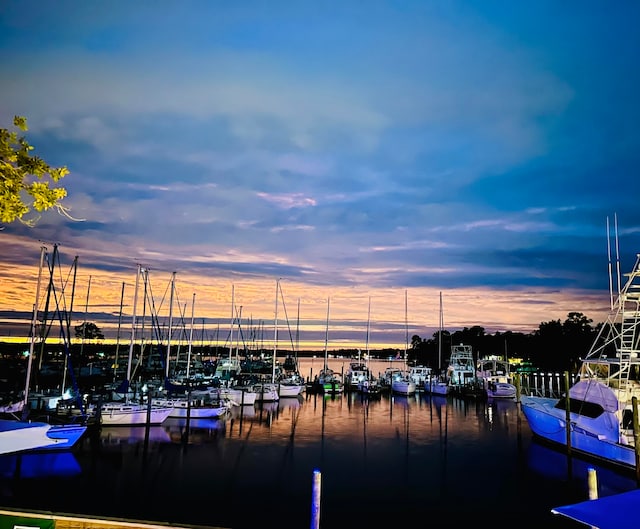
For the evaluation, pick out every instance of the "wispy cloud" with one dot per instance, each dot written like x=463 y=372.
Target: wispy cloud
x=440 y=147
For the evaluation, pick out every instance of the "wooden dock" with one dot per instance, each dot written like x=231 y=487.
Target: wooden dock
x=16 y=519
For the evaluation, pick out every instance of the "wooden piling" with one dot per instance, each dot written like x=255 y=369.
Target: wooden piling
x=315 y=500
x=592 y=481
x=636 y=435
x=567 y=405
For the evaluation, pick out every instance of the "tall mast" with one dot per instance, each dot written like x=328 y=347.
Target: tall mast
x=173 y=281
x=609 y=262
x=326 y=337
x=406 y=325
x=34 y=323
x=368 y=329
x=133 y=326
x=233 y=319
x=193 y=304
x=275 y=335
x=440 y=335
x=615 y=223
x=297 y=334
x=115 y=365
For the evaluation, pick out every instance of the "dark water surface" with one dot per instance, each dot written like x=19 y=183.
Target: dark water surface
x=417 y=459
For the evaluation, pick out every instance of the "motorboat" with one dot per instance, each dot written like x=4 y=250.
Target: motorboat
x=330 y=382
x=437 y=385
x=597 y=410
x=420 y=374
x=494 y=378
x=402 y=383
x=370 y=387
x=355 y=374
x=21 y=436
x=500 y=390
x=461 y=371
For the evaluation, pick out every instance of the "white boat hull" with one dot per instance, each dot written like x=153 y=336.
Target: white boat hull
x=501 y=390
x=436 y=387
x=595 y=440
x=290 y=390
x=266 y=392
x=180 y=408
x=19 y=436
x=132 y=414
x=403 y=387
x=241 y=396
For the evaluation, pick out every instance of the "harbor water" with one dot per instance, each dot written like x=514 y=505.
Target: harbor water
x=418 y=460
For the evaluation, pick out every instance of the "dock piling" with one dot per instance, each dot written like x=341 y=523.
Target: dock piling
x=315 y=500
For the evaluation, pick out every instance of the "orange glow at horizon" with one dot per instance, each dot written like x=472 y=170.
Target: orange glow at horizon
x=254 y=301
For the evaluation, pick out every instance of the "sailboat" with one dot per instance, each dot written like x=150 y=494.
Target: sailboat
x=228 y=370
x=401 y=381
x=127 y=412
x=23 y=435
x=437 y=384
x=289 y=384
x=329 y=382
x=188 y=406
x=368 y=385
x=598 y=415
x=267 y=389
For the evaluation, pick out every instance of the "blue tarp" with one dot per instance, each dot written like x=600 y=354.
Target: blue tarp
x=610 y=512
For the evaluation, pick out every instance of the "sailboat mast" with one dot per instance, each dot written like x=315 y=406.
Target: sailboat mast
x=233 y=320
x=275 y=335
x=115 y=364
x=440 y=335
x=173 y=281
x=298 y=333
x=326 y=338
x=34 y=323
x=406 y=326
x=368 y=329
x=84 y=325
x=193 y=305
x=133 y=324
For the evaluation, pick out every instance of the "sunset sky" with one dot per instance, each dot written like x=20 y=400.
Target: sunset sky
x=356 y=150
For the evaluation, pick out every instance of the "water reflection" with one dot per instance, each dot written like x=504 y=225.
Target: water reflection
x=417 y=454
x=39 y=465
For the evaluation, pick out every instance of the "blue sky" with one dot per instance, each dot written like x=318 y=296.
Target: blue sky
x=462 y=147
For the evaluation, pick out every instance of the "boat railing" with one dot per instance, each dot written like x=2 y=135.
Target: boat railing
x=544 y=384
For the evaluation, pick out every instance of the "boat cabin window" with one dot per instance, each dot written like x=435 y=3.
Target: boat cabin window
x=581 y=407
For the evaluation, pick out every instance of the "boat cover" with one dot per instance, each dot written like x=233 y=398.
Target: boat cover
x=610 y=512
x=594 y=391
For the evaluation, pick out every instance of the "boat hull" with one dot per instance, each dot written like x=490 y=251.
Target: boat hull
x=501 y=390
x=20 y=436
x=436 y=387
x=549 y=423
x=130 y=415
x=403 y=387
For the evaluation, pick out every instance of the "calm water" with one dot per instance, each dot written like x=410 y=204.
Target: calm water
x=411 y=458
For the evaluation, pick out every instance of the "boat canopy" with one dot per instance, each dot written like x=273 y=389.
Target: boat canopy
x=594 y=391
x=610 y=512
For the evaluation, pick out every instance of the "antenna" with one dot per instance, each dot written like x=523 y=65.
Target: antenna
x=609 y=259
x=615 y=217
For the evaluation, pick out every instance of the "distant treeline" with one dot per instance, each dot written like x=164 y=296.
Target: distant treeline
x=555 y=346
